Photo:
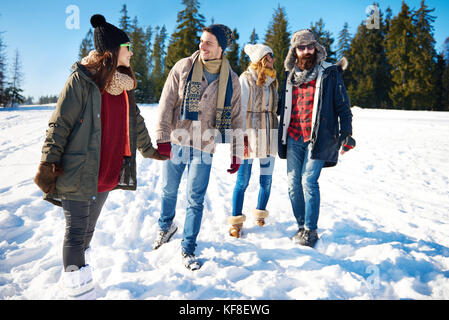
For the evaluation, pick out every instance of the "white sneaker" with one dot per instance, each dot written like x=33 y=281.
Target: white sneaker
x=79 y=285
x=88 y=256
x=164 y=236
x=190 y=261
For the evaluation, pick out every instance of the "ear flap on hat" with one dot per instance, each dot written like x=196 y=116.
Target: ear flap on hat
x=290 y=60
x=321 y=53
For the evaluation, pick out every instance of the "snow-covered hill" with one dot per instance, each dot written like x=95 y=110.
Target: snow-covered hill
x=384 y=223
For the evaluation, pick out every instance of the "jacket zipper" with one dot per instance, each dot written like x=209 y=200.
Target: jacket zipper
x=341 y=92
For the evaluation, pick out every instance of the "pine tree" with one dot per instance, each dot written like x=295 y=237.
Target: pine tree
x=185 y=40
x=2 y=72
x=125 y=20
x=157 y=57
x=232 y=54
x=411 y=52
x=254 y=38
x=445 y=87
x=14 y=91
x=344 y=42
x=423 y=61
x=438 y=85
x=244 y=60
x=367 y=77
x=445 y=77
x=149 y=45
x=324 y=38
x=400 y=47
x=446 y=49
x=139 y=61
x=278 y=39
x=389 y=14
x=87 y=44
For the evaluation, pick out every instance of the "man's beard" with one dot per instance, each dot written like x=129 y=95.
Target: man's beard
x=307 y=61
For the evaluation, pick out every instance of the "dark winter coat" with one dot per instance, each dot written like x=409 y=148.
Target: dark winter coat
x=332 y=117
x=74 y=140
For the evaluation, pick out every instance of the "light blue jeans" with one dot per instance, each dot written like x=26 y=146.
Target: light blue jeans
x=243 y=177
x=198 y=171
x=303 y=188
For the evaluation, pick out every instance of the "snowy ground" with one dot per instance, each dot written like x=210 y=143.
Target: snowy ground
x=384 y=223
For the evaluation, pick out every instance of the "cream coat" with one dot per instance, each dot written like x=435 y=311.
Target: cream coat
x=259 y=105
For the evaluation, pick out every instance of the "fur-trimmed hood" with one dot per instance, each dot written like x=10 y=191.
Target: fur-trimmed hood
x=342 y=64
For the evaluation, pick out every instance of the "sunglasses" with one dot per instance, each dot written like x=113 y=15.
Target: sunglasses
x=309 y=46
x=126 y=45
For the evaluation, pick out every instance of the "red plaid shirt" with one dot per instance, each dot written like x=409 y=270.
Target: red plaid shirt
x=301 y=118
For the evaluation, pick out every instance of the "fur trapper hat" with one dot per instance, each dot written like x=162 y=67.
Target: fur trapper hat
x=303 y=37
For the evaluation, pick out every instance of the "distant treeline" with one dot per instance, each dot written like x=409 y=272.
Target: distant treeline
x=393 y=62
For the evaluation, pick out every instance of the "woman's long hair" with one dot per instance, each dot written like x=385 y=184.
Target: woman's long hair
x=261 y=68
x=103 y=67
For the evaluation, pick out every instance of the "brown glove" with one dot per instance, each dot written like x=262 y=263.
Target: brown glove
x=46 y=176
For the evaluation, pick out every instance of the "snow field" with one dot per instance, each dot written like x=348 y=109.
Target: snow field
x=383 y=226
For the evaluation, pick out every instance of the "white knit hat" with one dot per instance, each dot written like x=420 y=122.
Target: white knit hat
x=257 y=51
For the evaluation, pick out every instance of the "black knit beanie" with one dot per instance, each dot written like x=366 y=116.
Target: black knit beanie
x=222 y=33
x=107 y=37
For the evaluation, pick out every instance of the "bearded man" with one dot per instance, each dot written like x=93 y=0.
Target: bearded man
x=315 y=122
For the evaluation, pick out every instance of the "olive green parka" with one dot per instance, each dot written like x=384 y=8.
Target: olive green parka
x=73 y=139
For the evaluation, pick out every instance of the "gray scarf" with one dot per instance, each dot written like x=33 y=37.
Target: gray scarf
x=298 y=77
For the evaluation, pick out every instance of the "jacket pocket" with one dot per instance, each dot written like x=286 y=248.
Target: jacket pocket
x=73 y=165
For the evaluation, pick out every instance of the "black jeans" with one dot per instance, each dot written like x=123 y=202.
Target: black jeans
x=81 y=218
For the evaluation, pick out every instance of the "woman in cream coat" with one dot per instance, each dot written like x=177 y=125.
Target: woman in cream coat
x=259 y=104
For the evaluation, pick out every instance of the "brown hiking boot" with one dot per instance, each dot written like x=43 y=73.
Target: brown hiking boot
x=309 y=238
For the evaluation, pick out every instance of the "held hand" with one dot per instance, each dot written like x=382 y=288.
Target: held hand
x=235 y=165
x=46 y=176
x=164 y=149
x=158 y=156
x=347 y=144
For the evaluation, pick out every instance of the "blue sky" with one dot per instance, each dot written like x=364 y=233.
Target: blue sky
x=37 y=29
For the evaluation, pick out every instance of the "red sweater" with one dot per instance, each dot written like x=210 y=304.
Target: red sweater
x=114 y=139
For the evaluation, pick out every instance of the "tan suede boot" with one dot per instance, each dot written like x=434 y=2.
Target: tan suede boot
x=236 y=223
x=259 y=216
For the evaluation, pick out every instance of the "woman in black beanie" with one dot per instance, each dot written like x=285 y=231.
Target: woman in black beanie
x=90 y=147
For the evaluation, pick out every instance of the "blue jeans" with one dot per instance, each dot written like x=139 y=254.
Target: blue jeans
x=198 y=171
x=243 y=177
x=303 y=188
